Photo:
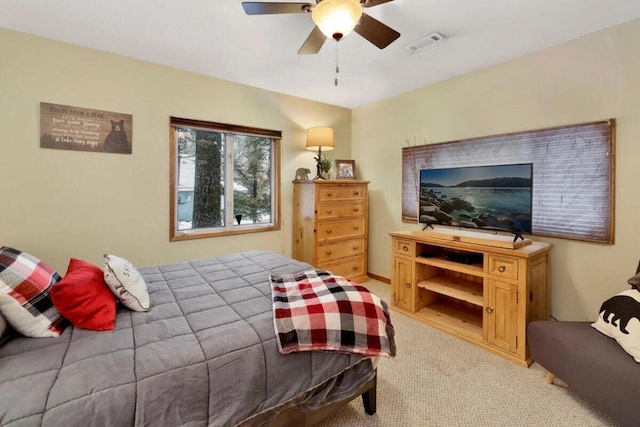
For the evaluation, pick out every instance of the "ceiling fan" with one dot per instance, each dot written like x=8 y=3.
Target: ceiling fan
x=333 y=18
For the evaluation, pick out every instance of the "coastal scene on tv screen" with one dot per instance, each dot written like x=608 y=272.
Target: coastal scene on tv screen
x=482 y=197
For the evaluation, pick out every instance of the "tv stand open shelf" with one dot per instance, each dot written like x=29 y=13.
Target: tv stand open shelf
x=461 y=289
x=484 y=294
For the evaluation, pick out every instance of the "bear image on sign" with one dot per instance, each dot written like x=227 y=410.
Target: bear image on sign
x=116 y=141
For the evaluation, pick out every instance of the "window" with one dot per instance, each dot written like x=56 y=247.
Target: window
x=224 y=179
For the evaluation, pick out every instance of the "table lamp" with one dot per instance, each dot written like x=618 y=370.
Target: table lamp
x=319 y=138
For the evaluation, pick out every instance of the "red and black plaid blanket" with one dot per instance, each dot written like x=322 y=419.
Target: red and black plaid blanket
x=315 y=310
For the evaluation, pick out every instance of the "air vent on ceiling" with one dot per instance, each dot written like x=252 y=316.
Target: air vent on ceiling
x=426 y=43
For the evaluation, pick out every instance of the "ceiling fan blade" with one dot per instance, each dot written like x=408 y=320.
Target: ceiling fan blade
x=260 y=8
x=313 y=43
x=371 y=3
x=375 y=31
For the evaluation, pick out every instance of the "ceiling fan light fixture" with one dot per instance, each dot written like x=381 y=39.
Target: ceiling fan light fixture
x=336 y=18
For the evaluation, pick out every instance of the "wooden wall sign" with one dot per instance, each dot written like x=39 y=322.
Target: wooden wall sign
x=74 y=128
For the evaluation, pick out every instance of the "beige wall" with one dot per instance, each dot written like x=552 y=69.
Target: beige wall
x=592 y=78
x=58 y=204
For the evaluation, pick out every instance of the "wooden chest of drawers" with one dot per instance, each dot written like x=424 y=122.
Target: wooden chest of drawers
x=331 y=226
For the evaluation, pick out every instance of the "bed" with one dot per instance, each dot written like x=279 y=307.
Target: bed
x=204 y=354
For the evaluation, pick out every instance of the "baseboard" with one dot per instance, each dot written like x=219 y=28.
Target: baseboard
x=379 y=278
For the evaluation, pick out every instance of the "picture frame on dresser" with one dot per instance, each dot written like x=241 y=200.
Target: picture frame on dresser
x=345 y=169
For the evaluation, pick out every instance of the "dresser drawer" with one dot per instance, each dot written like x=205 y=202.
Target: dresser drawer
x=338 y=193
x=351 y=267
x=335 y=230
x=503 y=267
x=341 y=250
x=403 y=247
x=329 y=211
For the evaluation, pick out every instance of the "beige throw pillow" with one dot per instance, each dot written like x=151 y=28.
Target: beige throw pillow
x=126 y=283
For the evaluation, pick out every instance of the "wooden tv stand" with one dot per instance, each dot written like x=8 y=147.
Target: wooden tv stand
x=485 y=294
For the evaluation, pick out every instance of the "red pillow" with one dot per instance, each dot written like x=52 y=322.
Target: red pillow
x=83 y=297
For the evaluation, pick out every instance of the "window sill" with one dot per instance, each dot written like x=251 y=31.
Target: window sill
x=177 y=236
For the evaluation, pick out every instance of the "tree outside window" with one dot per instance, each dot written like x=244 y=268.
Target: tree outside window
x=224 y=179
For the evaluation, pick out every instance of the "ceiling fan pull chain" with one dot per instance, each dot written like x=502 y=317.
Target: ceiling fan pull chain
x=337 y=65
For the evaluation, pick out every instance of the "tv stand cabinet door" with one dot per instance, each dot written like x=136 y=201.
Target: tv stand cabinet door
x=402 y=286
x=501 y=315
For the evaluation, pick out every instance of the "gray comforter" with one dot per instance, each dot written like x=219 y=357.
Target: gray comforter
x=205 y=354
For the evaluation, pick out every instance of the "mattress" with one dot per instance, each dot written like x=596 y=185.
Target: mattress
x=204 y=354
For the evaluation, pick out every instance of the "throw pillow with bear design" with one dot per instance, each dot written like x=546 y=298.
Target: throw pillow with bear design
x=620 y=319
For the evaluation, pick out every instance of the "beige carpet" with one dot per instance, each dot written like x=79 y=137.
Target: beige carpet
x=439 y=380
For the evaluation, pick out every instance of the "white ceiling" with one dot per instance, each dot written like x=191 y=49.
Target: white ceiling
x=216 y=38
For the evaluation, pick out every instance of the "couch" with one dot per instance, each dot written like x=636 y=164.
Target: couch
x=594 y=365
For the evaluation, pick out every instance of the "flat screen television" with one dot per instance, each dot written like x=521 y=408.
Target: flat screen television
x=482 y=197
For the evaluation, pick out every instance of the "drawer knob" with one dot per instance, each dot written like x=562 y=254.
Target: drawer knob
x=328 y=231
x=354 y=268
x=407 y=285
x=355 y=227
x=355 y=247
x=502 y=268
x=328 y=252
x=489 y=310
x=356 y=193
x=329 y=194
x=356 y=209
x=405 y=248
x=329 y=211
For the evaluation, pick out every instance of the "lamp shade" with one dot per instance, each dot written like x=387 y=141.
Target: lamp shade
x=336 y=18
x=320 y=137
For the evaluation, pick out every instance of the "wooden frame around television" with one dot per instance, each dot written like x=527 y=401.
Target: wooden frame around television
x=573 y=175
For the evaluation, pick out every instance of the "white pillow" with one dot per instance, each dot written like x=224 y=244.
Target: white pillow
x=620 y=319
x=126 y=283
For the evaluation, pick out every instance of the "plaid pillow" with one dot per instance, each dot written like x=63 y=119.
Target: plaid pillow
x=25 y=282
